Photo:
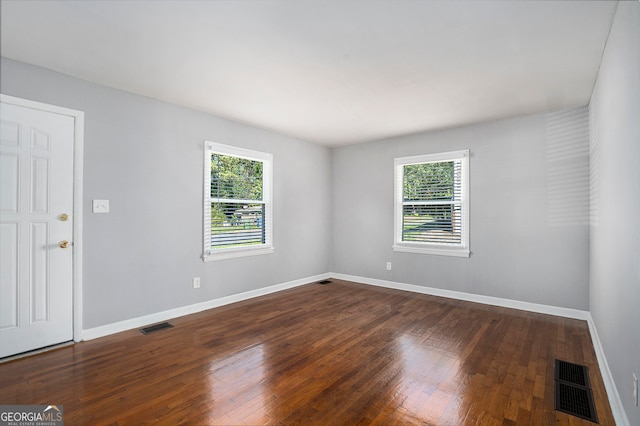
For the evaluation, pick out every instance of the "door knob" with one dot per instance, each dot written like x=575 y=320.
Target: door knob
x=63 y=244
x=63 y=217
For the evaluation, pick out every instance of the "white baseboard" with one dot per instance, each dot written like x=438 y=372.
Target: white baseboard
x=615 y=402
x=105 y=330
x=470 y=297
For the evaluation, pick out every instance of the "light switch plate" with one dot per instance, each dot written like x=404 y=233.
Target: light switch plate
x=101 y=206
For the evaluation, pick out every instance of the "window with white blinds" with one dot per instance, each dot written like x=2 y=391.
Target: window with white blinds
x=237 y=202
x=431 y=204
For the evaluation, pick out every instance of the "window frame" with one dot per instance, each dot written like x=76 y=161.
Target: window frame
x=444 y=249
x=210 y=253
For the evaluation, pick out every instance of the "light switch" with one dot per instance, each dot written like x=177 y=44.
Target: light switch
x=101 y=206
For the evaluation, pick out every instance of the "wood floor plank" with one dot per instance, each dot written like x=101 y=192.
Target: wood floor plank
x=342 y=353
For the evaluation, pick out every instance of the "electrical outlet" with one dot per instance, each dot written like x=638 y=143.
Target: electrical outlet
x=388 y=266
x=196 y=282
x=635 y=389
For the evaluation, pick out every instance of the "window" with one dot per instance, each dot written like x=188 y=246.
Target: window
x=432 y=204
x=237 y=202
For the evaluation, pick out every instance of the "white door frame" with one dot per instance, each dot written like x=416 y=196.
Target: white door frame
x=78 y=157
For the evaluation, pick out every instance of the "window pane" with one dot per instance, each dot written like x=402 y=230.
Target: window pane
x=235 y=178
x=432 y=181
x=236 y=225
x=440 y=223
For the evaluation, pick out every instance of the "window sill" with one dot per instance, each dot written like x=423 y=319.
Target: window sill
x=454 y=251
x=233 y=253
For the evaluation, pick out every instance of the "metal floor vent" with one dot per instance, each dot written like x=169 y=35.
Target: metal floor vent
x=325 y=282
x=156 y=327
x=572 y=373
x=576 y=401
x=573 y=392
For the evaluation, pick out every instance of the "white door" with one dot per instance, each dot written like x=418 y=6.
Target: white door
x=36 y=228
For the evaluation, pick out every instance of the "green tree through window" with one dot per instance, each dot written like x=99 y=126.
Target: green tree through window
x=431 y=208
x=237 y=214
x=235 y=177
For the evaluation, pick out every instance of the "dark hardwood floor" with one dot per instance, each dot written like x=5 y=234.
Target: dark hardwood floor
x=341 y=353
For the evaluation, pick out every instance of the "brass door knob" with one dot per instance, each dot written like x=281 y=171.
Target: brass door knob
x=63 y=217
x=63 y=244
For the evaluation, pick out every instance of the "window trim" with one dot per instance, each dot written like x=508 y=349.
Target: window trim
x=210 y=254
x=444 y=249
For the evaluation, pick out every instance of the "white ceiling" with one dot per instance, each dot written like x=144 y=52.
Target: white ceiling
x=333 y=72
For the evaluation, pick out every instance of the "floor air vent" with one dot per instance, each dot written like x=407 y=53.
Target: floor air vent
x=573 y=392
x=572 y=373
x=325 y=282
x=156 y=327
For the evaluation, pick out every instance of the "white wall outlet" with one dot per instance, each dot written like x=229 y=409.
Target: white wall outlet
x=635 y=389
x=101 y=206
x=388 y=266
x=196 y=282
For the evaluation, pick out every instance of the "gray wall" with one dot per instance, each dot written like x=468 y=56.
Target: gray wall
x=529 y=192
x=615 y=228
x=146 y=157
